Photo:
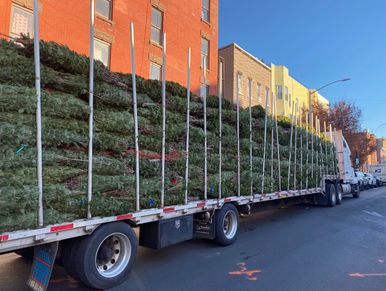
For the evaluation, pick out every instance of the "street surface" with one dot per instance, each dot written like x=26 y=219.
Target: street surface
x=297 y=248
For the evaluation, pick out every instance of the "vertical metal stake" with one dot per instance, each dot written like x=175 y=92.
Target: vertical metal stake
x=301 y=147
x=134 y=81
x=250 y=143
x=205 y=136
x=290 y=152
x=220 y=129
x=187 y=129
x=163 y=120
x=277 y=142
x=91 y=104
x=296 y=142
x=307 y=152
x=38 y=113
x=265 y=141
x=312 y=146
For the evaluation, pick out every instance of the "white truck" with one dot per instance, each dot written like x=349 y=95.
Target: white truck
x=378 y=170
x=349 y=182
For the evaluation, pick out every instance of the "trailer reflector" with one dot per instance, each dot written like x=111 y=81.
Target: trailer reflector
x=61 y=227
x=168 y=209
x=125 y=216
x=227 y=200
x=4 y=237
x=201 y=204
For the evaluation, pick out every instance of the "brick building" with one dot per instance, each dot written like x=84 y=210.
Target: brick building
x=245 y=76
x=187 y=24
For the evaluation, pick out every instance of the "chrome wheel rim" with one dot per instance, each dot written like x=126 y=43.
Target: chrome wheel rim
x=113 y=255
x=230 y=224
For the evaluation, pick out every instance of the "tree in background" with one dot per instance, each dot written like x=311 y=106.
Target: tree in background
x=346 y=116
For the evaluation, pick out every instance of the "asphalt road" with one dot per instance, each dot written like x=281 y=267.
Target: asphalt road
x=297 y=248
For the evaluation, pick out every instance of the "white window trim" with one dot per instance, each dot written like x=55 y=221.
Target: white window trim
x=12 y=12
x=109 y=45
x=110 y=17
x=239 y=83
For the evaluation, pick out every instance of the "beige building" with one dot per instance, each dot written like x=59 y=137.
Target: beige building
x=245 y=77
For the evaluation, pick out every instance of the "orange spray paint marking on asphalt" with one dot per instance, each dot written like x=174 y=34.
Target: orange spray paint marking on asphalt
x=359 y=275
x=244 y=271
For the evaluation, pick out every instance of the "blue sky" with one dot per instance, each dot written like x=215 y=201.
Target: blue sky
x=319 y=41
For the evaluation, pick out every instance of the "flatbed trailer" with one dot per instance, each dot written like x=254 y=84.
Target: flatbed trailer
x=100 y=251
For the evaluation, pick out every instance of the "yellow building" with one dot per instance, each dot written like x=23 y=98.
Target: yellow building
x=289 y=91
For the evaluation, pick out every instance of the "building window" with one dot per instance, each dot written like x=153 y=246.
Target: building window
x=267 y=93
x=250 y=88
x=21 y=22
x=206 y=10
x=104 y=8
x=286 y=93
x=204 y=53
x=156 y=25
x=239 y=84
x=279 y=89
x=204 y=90
x=290 y=100
x=259 y=92
x=155 y=71
x=102 y=51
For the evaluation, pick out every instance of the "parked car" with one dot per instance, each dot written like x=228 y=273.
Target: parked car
x=371 y=179
x=363 y=181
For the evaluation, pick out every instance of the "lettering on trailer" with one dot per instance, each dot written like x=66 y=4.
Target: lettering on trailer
x=42 y=265
x=248 y=274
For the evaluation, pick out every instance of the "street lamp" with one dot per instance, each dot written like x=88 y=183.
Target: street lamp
x=383 y=124
x=324 y=86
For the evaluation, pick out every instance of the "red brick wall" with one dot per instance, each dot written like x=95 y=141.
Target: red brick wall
x=67 y=22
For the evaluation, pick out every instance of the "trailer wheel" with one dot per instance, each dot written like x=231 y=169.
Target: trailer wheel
x=339 y=194
x=227 y=225
x=69 y=257
x=27 y=253
x=357 y=192
x=104 y=259
x=331 y=195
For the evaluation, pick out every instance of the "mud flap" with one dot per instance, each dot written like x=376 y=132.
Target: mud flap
x=42 y=265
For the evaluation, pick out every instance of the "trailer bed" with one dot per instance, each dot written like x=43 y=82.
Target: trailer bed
x=27 y=238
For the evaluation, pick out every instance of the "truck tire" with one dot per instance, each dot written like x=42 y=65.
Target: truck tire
x=339 y=194
x=27 y=253
x=69 y=258
x=104 y=259
x=227 y=225
x=357 y=192
x=331 y=195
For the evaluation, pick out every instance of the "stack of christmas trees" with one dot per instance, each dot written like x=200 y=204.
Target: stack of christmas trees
x=65 y=113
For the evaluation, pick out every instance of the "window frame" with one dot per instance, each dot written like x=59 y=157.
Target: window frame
x=160 y=29
x=13 y=6
x=207 y=56
x=286 y=93
x=239 y=84
x=109 y=51
x=259 y=93
x=279 y=89
x=207 y=10
x=110 y=16
x=250 y=89
x=160 y=71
